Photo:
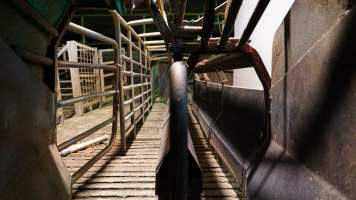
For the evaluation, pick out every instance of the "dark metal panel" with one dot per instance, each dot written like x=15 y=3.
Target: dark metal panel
x=31 y=167
x=237 y=132
x=313 y=112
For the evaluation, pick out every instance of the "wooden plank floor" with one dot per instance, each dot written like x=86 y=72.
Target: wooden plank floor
x=218 y=183
x=132 y=176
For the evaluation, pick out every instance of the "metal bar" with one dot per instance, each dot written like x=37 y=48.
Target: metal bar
x=132 y=91
x=31 y=57
x=179 y=11
x=83 y=98
x=84 y=134
x=68 y=64
x=156 y=47
x=118 y=36
x=218 y=9
x=30 y=14
x=151 y=34
x=117 y=50
x=213 y=47
x=225 y=62
x=141 y=22
x=128 y=73
x=123 y=23
x=141 y=79
x=128 y=116
x=208 y=23
x=129 y=60
x=230 y=22
x=256 y=16
x=160 y=22
x=92 y=34
x=178 y=131
x=134 y=86
x=136 y=97
x=187 y=31
x=154 y=42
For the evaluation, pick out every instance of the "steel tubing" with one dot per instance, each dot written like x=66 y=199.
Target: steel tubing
x=151 y=34
x=179 y=11
x=208 y=23
x=178 y=131
x=68 y=64
x=229 y=22
x=255 y=18
x=140 y=22
x=117 y=24
x=218 y=9
x=84 y=97
x=92 y=34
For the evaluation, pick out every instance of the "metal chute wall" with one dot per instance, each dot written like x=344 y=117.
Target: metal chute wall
x=311 y=155
x=236 y=130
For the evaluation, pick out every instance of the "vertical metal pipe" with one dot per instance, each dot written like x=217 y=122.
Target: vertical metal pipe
x=132 y=104
x=234 y=8
x=121 y=84
x=256 y=16
x=141 y=82
x=178 y=131
x=179 y=11
x=208 y=22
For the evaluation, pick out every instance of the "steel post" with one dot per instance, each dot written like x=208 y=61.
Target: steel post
x=178 y=131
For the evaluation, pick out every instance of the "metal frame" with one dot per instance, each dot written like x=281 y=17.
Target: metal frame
x=241 y=54
x=118 y=92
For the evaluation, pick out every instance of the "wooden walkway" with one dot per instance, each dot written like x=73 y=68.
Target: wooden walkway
x=132 y=176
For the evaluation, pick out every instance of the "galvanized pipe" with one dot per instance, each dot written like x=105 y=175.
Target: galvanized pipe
x=178 y=131
x=154 y=42
x=256 y=16
x=151 y=34
x=92 y=34
x=230 y=22
x=140 y=22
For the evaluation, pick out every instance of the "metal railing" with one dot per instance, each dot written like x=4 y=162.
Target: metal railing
x=135 y=92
